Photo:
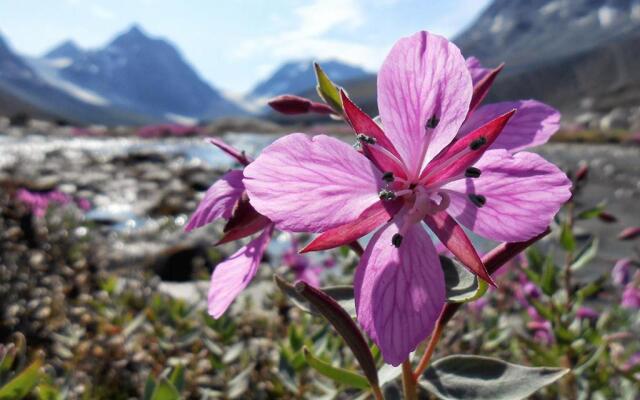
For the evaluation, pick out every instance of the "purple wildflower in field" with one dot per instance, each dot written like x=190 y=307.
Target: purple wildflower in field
x=303 y=268
x=167 y=130
x=621 y=273
x=39 y=202
x=542 y=329
x=631 y=297
x=227 y=199
x=587 y=313
x=438 y=158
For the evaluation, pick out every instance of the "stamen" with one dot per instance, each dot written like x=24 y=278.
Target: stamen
x=472 y=172
x=432 y=122
x=477 y=199
x=479 y=142
x=396 y=240
x=388 y=177
x=366 y=139
x=387 y=195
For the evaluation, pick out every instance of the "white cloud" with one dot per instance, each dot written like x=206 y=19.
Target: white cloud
x=101 y=12
x=309 y=38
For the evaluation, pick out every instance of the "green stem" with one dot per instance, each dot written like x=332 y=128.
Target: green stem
x=408 y=381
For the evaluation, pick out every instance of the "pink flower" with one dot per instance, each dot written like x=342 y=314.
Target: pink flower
x=440 y=160
x=39 y=202
x=631 y=297
x=302 y=267
x=587 y=313
x=227 y=199
x=621 y=273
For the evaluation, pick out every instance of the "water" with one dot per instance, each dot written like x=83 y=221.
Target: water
x=35 y=147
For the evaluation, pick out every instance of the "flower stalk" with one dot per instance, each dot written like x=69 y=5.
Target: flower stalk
x=409 y=382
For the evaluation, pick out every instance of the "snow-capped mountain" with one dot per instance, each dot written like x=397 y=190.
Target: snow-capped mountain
x=24 y=90
x=143 y=74
x=67 y=50
x=298 y=76
x=578 y=55
x=529 y=33
x=135 y=79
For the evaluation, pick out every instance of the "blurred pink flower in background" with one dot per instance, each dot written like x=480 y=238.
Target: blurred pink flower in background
x=631 y=297
x=621 y=273
x=168 y=130
x=39 y=202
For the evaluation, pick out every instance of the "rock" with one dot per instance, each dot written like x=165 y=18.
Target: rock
x=176 y=263
x=618 y=118
x=588 y=120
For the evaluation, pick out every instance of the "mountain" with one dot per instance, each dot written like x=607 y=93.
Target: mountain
x=527 y=34
x=23 y=90
x=298 y=76
x=578 y=55
x=143 y=74
x=67 y=50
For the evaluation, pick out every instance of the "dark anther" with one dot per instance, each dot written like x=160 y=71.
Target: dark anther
x=387 y=195
x=478 y=199
x=412 y=186
x=396 y=240
x=388 y=177
x=472 y=172
x=432 y=122
x=366 y=139
x=479 y=142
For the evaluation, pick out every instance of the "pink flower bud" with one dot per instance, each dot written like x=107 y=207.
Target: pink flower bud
x=294 y=105
x=629 y=233
x=582 y=172
x=606 y=217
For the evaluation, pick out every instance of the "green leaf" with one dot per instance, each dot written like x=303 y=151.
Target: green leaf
x=6 y=362
x=48 y=392
x=591 y=212
x=149 y=387
x=339 y=375
x=462 y=285
x=586 y=255
x=548 y=279
x=341 y=294
x=341 y=321
x=567 y=240
x=164 y=390
x=22 y=384
x=327 y=90
x=463 y=377
x=177 y=377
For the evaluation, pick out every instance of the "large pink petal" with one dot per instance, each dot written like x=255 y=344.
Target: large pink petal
x=399 y=292
x=532 y=125
x=219 y=200
x=424 y=76
x=232 y=276
x=308 y=184
x=370 y=219
x=521 y=195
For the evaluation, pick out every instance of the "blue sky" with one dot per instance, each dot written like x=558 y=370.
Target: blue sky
x=235 y=43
